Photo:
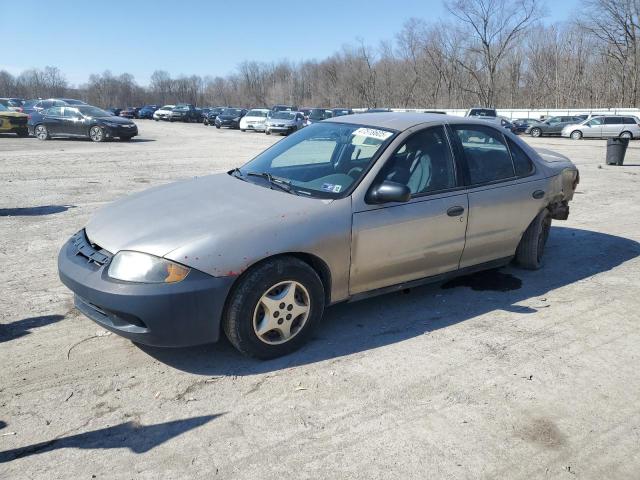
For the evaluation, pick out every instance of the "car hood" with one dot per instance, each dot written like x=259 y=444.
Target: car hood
x=277 y=120
x=255 y=119
x=228 y=117
x=12 y=114
x=203 y=211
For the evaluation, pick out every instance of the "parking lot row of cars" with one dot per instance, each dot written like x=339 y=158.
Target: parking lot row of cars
x=71 y=117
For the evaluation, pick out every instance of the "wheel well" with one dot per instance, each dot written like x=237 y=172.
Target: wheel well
x=316 y=263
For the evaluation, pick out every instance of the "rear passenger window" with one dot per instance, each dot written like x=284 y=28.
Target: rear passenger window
x=630 y=121
x=521 y=161
x=612 y=120
x=487 y=156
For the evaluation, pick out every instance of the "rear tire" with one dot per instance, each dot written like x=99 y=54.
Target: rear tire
x=257 y=320
x=626 y=134
x=531 y=248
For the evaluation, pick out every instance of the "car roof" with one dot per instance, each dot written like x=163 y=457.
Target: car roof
x=401 y=120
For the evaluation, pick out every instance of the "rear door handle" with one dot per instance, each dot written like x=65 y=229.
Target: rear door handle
x=538 y=194
x=455 y=211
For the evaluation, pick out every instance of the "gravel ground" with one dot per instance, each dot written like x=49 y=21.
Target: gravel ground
x=513 y=374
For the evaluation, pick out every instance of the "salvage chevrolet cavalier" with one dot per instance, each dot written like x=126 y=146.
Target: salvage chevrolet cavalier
x=341 y=210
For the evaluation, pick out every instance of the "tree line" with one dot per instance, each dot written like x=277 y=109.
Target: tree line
x=486 y=52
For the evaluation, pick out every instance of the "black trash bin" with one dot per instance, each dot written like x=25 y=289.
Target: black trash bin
x=616 y=148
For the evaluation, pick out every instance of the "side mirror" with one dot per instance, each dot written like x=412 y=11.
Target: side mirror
x=388 y=192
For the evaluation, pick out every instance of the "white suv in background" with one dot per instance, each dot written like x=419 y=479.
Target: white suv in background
x=604 y=126
x=254 y=120
x=163 y=113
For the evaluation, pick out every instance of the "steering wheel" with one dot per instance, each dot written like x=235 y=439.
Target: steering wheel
x=355 y=172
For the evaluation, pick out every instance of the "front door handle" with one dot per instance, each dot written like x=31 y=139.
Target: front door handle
x=455 y=211
x=538 y=194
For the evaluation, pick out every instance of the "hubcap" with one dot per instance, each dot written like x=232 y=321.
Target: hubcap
x=41 y=132
x=536 y=132
x=575 y=135
x=281 y=312
x=96 y=133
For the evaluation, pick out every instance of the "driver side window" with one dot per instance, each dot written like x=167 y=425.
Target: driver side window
x=424 y=163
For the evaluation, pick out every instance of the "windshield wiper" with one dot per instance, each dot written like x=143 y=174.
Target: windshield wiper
x=281 y=183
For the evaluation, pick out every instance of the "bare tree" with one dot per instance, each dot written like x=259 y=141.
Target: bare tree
x=491 y=27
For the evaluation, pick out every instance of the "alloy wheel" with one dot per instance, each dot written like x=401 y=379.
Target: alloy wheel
x=96 y=134
x=281 y=312
x=41 y=132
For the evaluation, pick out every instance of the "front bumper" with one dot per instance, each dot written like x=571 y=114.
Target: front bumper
x=281 y=129
x=167 y=315
x=122 y=131
x=227 y=123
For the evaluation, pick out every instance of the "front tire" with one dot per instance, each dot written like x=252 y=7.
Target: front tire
x=535 y=132
x=531 y=248
x=41 y=132
x=96 y=134
x=274 y=307
x=576 y=135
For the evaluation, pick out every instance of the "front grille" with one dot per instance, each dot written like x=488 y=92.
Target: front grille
x=93 y=253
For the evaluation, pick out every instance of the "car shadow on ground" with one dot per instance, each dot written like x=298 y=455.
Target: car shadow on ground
x=34 y=211
x=571 y=255
x=137 y=438
x=20 y=328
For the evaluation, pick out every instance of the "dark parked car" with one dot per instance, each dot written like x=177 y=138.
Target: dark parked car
x=338 y=112
x=377 y=110
x=80 y=121
x=230 y=117
x=213 y=113
x=114 y=111
x=318 y=114
x=147 y=111
x=522 y=124
x=40 y=105
x=130 y=112
x=551 y=126
x=184 y=112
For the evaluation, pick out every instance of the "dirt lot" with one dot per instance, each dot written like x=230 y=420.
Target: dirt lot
x=511 y=375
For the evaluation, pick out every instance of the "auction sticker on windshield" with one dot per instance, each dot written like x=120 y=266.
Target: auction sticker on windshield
x=373 y=133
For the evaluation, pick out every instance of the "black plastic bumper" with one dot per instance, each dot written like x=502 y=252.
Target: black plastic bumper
x=167 y=315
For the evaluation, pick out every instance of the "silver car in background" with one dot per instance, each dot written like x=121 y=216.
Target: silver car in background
x=284 y=122
x=605 y=126
x=344 y=209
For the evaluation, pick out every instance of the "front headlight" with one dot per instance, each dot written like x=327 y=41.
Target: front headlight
x=140 y=267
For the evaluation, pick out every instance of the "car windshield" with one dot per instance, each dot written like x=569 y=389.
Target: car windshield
x=70 y=101
x=93 y=111
x=283 y=115
x=167 y=107
x=30 y=103
x=3 y=108
x=182 y=107
x=257 y=113
x=231 y=111
x=323 y=160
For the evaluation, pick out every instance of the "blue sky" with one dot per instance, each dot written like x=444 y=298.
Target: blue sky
x=197 y=37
